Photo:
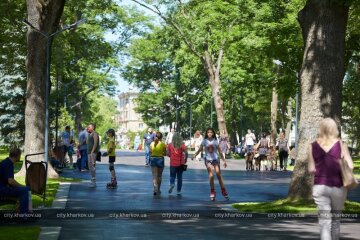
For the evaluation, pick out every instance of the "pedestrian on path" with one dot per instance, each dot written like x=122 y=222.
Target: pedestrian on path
x=169 y=137
x=328 y=191
x=283 y=147
x=147 y=140
x=250 y=141
x=66 y=138
x=83 y=135
x=111 y=146
x=137 y=141
x=198 y=139
x=178 y=155
x=93 y=148
x=224 y=143
x=212 y=155
x=157 y=153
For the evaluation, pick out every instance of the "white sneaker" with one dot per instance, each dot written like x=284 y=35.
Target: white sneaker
x=92 y=183
x=178 y=192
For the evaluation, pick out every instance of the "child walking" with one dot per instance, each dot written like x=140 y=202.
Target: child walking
x=178 y=155
x=212 y=155
x=111 y=146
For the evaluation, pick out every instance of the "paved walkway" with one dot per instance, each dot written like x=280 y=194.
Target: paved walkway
x=134 y=195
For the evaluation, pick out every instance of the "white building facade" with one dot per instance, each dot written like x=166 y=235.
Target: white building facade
x=127 y=118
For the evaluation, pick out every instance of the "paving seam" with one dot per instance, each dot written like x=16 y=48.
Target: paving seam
x=61 y=198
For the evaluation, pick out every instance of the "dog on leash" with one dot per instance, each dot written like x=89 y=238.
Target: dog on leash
x=249 y=158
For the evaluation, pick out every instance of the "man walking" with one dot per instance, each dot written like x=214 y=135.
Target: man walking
x=93 y=148
x=148 y=139
x=83 y=149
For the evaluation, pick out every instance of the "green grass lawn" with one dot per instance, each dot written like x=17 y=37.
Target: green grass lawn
x=288 y=206
x=20 y=233
x=30 y=232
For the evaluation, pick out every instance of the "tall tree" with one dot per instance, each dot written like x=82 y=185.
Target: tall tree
x=200 y=24
x=44 y=16
x=323 y=24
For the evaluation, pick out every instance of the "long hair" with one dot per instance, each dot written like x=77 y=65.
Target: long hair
x=157 y=138
x=177 y=140
x=210 y=129
x=328 y=128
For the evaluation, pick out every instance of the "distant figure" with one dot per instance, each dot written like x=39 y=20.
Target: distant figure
x=198 y=139
x=147 y=140
x=169 y=137
x=9 y=187
x=283 y=146
x=83 y=135
x=250 y=141
x=137 y=142
x=328 y=191
x=224 y=143
x=66 y=138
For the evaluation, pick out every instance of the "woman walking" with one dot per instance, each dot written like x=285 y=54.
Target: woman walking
x=178 y=155
x=212 y=155
x=198 y=139
x=282 y=144
x=224 y=143
x=328 y=191
x=157 y=153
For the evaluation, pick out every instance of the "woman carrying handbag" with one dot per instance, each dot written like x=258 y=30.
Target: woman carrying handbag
x=328 y=191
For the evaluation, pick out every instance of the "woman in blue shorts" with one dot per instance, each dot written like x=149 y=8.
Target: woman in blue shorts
x=157 y=153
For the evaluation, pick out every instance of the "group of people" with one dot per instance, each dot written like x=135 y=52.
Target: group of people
x=174 y=147
x=263 y=155
x=88 y=151
x=323 y=164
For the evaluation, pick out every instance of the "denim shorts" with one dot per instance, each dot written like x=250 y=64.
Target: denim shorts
x=157 y=162
x=211 y=162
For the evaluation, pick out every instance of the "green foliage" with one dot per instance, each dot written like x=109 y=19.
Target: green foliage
x=12 y=72
x=64 y=119
x=251 y=34
x=103 y=114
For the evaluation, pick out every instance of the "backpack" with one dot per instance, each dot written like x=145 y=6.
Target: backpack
x=283 y=145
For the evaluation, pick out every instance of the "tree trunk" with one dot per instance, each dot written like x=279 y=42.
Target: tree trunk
x=274 y=108
x=213 y=72
x=289 y=122
x=78 y=117
x=323 y=24
x=45 y=16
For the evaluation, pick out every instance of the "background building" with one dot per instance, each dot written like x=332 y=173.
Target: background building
x=128 y=119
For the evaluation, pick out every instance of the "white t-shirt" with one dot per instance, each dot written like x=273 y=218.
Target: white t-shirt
x=211 y=149
x=169 y=138
x=249 y=139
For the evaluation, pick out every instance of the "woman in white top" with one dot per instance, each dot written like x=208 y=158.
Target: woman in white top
x=198 y=138
x=212 y=155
